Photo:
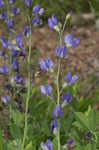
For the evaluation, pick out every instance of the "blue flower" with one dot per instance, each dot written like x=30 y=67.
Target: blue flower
x=18 y=79
x=10 y=23
x=70 y=79
x=15 y=11
x=41 y=11
x=46 y=89
x=27 y=31
x=15 y=65
x=14 y=52
x=36 y=21
x=4 y=70
x=28 y=3
x=89 y=134
x=8 y=86
x=11 y=1
x=61 y=51
x=4 y=42
x=23 y=53
x=47 y=146
x=19 y=40
x=53 y=125
x=58 y=112
x=47 y=64
x=67 y=97
x=71 y=41
x=4 y=16
x=5 y=99
x=38 y=10
x=2 y=53
x=1 y=4
x=53 y=21
x=70 y=143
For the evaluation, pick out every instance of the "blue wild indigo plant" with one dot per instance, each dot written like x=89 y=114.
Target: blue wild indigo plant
x=58 y=121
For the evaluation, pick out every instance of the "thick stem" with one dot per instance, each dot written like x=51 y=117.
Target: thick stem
x=28 y=84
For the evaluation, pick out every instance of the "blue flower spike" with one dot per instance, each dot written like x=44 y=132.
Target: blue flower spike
x=46 y=89
x=58 y=112
x=53 y=23
x=2 y=4
x=46 y=65
x=28 y=3
x=61 y=51
x=66 y=99
x=5 y=99
x=38 y=10
x=71 y=41
x=47 y=146
x=70 y=79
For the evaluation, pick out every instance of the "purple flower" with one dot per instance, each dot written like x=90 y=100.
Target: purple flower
x=11 y=1
x=67 y=97
x=23 y=53
x=15 y=65
x=71 y=41
x=58 y=112
x=8 y=86
x=3 y=16
x=5 y=99
x=1 y=4
x=19 y=40
x=46 y=89
x=14 y=52
x=2 y=53
x=53 y=125
x=27 y=31
x=47 y=64
x=53 y=21
x=70 y=79
x=18 y=79
x=61 y=51
x=89 y=134
x=28 y=3
x=41 y=11
x=36 y=9
x=4 y=70
x=47 y=146
x=15 y=11
x=36 y=21
x=70 y=143
x=4 y=42
x=10 y=23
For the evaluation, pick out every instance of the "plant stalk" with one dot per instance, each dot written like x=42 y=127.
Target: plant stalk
x=29 y=86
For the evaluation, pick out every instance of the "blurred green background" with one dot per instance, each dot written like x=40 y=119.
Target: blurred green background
x=61 y=7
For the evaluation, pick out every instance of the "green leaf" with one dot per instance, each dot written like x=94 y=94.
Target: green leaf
x=18 y=118
x=29 y=146
x=83 y=120
x=78 y=147
x=92 y=119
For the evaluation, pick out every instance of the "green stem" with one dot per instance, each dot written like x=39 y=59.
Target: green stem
x=93 y=145
x=57 y=82
x=29 y=83
x=58 y=102
x=58 y=94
